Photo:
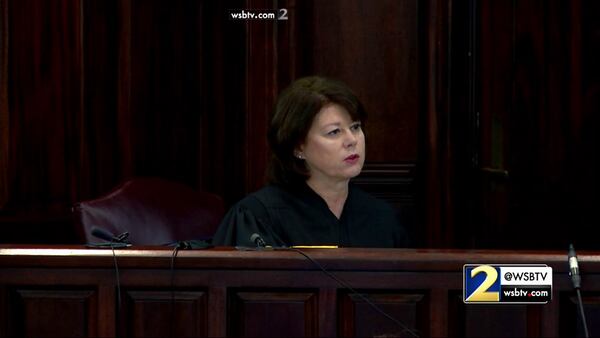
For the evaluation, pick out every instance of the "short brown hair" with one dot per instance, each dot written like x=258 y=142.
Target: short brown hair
x=292 y=118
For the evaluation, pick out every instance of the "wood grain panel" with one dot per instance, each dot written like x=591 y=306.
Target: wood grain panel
x=71 y=291
x=531 y=81
x=484 y=320
x=52 y=313
x=95 y=91
x=4 y=112
x=97 y=126
x=155 y=313
x=165 y=87
x=374 y=48
x=395 y=183
x=360 y=319
x=4 y=309
x=261 y=91
x=571 y=323
x=273 y=314
x=45 y=78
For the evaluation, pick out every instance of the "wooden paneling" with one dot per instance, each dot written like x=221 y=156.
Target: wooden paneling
x=273 y=314
x=52 y=313
x=45 y=79
x=375 y=48
x=222 y=160
x=97 y=142
x=72 y=291
x=487 y=321
x=435 y=210
x=533 y=161
x=4 y=112
x=394 y=183
x=359 y=319
x=571 y=324
x=261 y=92
x=165 y=88
x=480 y=320
x=463 y=92
x=155 y=313
x=99 y=91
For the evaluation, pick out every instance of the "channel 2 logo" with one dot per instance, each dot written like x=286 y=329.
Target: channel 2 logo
x=488 y=283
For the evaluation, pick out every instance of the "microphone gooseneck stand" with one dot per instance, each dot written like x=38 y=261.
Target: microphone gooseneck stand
x=576 y=279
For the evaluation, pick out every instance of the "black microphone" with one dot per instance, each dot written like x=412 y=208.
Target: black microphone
x=574 y=268
x=109 y=237
x=103 y=234
x=256 y=239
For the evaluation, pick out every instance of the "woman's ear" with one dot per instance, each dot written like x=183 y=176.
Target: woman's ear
x=299 y=152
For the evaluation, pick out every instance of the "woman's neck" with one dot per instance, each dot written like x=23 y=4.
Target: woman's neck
x=334 y=194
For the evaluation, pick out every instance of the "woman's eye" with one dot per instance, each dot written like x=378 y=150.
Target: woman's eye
x=333 y=132
x=355 y=126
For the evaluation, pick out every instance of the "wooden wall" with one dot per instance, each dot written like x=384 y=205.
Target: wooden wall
x=482 y=114
x=538 y=99
x=99 y=91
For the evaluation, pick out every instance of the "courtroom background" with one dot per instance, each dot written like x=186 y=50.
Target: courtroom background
x=483 y=114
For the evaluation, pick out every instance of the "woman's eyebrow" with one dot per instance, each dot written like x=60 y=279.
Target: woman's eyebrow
x=332 y=124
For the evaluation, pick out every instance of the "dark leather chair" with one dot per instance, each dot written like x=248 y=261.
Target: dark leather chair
x=154 y=211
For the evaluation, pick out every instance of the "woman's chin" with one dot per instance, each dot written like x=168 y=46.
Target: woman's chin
x=353 y=173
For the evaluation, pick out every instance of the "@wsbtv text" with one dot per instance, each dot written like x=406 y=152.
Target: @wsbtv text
x=493 y=283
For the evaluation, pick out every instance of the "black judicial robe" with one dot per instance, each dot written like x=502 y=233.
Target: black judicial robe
x=301 y=217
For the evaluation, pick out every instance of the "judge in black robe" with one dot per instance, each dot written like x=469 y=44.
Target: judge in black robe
x=318 y=144
x=301 y=217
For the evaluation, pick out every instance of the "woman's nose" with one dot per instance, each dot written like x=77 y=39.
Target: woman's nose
x=350 y=139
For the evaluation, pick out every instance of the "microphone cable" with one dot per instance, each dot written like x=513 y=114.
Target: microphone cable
x=172 y=287
x=118 y=278
x=180 y=245
x=112 y=241
x=582 y=312
x=353 y=291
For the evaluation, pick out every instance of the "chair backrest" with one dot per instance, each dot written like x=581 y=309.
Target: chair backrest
x=154 y=211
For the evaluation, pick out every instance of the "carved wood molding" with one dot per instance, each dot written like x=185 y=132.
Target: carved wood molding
x=393 y=182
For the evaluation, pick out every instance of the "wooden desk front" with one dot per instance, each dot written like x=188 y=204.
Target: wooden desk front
x=73 y=291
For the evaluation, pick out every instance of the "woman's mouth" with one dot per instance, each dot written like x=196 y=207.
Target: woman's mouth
x=352 y=159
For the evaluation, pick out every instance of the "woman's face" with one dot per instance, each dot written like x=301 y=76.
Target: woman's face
x=334 y=148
